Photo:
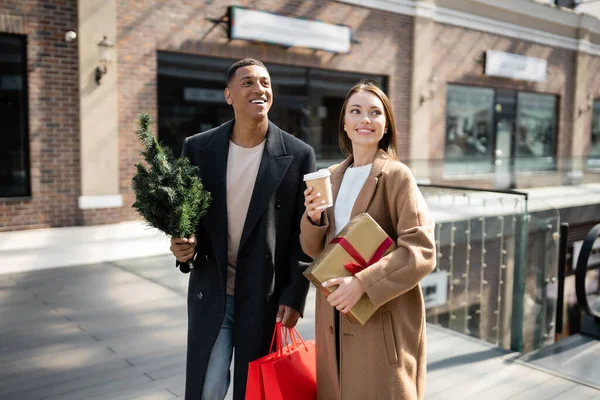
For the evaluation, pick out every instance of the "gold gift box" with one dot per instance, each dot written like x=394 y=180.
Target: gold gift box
x=365 y=235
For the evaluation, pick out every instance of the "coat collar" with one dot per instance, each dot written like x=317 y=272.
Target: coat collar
x=365 y=195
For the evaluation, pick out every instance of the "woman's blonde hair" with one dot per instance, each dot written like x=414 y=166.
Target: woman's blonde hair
x=389 y=142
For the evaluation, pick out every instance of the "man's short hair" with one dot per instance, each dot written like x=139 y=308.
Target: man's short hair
x=240 y=64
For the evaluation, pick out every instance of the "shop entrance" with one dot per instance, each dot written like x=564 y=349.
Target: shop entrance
x=306 y=101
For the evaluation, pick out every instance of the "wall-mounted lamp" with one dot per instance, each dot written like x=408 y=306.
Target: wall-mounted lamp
x=105 y=48
x=430 y=90
x=589 y=100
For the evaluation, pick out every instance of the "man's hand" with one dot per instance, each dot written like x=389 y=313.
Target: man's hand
x=183 y=249
x=287 y=316
x=347 y=294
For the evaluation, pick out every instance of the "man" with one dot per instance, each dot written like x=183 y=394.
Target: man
x=247 y=260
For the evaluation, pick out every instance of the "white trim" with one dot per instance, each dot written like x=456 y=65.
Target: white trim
x=545 y=12
x=100 y=201
x=405 y=7
x=425 y=10
x=585 y=46
x=484 y=24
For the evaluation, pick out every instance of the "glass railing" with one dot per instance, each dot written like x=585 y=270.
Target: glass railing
x=502 y=173
x=496 y=266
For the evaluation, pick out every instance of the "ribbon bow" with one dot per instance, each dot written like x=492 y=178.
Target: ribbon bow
x=360 y=264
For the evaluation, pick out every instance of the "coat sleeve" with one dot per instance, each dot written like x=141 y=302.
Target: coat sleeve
x=295 y=290
x=312 y=237
x=402 y=269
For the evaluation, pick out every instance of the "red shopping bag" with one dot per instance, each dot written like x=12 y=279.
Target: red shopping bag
x=289 y=373
x=293 y=375
x=255 y=389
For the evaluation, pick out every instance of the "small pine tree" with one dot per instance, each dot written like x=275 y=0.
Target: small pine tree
x=169 y=195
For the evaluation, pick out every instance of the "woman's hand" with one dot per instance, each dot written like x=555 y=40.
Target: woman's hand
x=312 y=200
x=347 y=294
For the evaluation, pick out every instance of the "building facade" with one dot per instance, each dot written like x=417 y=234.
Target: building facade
x=490 y=94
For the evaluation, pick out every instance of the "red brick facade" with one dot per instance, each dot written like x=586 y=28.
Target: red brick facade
x=53 y=77
x=147 y=26
x=458 y=59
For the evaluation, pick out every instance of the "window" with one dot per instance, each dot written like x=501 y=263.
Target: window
x=14 y=141
x=536 y=131
x=306 y=101
x=595 y=142
x=469 y=129
x=499 y=131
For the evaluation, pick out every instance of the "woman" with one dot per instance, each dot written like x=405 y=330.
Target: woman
x=385 y=358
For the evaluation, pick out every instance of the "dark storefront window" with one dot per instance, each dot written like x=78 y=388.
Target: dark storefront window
x=14 y=150
x=536 y=131
x=307 y=102
x=469 y=129
x=500 y=131
x=595 y=141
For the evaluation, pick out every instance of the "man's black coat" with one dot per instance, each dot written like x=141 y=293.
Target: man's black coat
x=270 y=260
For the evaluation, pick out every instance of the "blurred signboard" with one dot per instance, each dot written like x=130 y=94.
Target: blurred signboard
x=203 y=95
x=515 y=66
x=267 y=27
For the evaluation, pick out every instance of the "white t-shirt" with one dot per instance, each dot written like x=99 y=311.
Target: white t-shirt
x=242 y=169
x=353 y=181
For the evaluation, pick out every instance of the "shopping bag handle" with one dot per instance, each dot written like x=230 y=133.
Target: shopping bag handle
x=289 y=339
x=295 y=334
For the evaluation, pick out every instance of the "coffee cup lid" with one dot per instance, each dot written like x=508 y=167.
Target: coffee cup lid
x=322 y=173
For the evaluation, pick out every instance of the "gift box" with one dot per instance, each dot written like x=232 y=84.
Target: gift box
x=360 y=244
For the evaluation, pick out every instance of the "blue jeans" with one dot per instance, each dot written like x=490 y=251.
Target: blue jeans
x=218 y=377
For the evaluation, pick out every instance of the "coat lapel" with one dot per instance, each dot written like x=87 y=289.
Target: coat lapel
x=368 y=190
x=213 y=173
x=336 y=181
x=273 y=167
x=366 y=193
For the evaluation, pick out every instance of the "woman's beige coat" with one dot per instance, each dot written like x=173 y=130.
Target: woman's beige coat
x=385 y=358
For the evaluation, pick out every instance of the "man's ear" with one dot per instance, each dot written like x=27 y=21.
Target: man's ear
x=227 y=94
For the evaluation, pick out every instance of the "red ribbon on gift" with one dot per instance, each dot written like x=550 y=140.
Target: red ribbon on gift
x=360 y=264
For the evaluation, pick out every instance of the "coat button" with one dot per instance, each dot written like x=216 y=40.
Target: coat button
x=331 y=329
x=267 y=257
x=207 y=258
x=278 y=204
x=200 y=295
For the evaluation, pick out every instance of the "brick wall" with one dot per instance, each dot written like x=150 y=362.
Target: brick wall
x=53 y=113
x=150 y=25
x=455 y=53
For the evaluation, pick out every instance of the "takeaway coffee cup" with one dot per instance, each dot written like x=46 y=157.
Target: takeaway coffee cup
x=321 y=182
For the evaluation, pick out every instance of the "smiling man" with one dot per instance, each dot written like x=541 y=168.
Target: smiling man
x=247 y=258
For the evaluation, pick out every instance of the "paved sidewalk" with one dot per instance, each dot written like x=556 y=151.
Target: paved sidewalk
x=79 y=245
x=100 y=313
x=117 y=330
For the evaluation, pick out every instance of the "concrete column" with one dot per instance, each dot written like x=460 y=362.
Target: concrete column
x=421 y=89
x=582 y=113
x=98 y=108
